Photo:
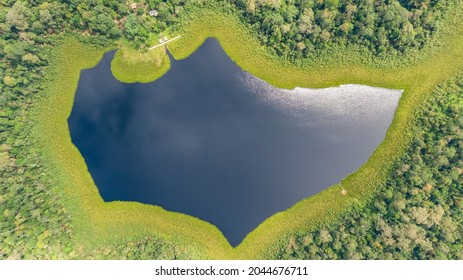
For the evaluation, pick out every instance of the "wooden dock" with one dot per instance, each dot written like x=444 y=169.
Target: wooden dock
x=163 y=43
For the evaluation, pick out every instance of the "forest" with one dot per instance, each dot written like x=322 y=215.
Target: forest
x=417 y=214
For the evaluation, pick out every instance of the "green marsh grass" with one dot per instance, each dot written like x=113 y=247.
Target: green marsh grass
x=98 y=224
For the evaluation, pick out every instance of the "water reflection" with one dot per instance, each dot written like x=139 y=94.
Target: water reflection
x=212 y=141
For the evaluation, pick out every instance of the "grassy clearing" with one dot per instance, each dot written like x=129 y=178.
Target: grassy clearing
x=130 y=65
x=109 y=224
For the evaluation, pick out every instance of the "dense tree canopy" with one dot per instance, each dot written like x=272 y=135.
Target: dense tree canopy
x=293 y=28
x=418 y=213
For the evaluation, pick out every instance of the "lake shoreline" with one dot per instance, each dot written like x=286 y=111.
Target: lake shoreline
x=117 y=222
x=210 y=140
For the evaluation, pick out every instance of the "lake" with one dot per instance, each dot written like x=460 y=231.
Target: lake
x=212 y=141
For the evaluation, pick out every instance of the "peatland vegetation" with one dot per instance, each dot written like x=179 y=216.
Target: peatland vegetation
x=405 y=203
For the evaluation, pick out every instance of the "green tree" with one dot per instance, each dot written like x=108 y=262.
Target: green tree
x=18 y=16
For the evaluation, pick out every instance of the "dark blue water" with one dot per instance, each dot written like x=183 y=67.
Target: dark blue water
x=212 y=141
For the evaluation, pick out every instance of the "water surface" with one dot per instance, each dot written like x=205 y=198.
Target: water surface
x=212 y=141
